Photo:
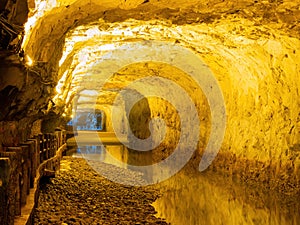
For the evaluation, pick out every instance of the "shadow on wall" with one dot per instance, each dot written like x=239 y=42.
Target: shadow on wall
x=139 y=117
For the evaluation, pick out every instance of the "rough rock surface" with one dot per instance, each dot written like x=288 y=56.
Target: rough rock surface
x=79 y=195
x=251 y=47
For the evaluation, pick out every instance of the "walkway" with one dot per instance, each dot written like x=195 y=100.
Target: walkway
x=78 y=195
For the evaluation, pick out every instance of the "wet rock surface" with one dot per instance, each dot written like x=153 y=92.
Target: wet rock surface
x=79 y=195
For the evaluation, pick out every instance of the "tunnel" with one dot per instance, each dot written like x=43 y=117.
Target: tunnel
x=185 y=103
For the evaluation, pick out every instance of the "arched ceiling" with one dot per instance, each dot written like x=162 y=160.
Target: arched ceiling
x=241 y=41
x=59 y=30
x=59 y=17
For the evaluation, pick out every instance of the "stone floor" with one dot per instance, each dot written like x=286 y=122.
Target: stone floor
x=79 y=195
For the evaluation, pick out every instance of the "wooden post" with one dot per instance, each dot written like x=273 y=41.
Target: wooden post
x=52 y=145
x=38 y=162
x=32 y=159
x=64 y=137
x=11 y=186
x=17 y=176
x=45 y=143
x=47 y=147
x=35 y=155
x=41 y=140
x=55 y=143
x=27 y=166
x=4 y=183
x=59 y=138
x=23 y=172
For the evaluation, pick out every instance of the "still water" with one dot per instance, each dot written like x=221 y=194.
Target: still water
x=193 y=198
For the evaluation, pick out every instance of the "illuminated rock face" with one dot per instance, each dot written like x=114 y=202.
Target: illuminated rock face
x=252 y=48
x=256 y=75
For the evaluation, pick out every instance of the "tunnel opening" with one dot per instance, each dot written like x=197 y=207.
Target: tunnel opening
x=88 y=121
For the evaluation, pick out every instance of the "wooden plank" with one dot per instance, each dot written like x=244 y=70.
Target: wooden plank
x=41 y=153
x=11 y=204
x=17 y=177
x=33 y=159
x=27 y=165
x=4 y=185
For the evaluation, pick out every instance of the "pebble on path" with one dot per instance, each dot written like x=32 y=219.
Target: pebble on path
x=79 y=195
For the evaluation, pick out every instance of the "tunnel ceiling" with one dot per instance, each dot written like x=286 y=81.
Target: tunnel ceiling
x=248 y=45
x=61 y=16
x=67 y=36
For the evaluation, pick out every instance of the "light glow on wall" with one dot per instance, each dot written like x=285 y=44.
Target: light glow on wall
x=41 y=7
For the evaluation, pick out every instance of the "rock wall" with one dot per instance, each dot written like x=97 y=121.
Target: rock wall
x=17 y=11
x=260 y=83
x=250 y=46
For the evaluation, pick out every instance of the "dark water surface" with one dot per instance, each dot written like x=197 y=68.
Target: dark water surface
x=194 y=198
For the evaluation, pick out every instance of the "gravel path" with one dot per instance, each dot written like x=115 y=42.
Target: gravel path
x=79 y=195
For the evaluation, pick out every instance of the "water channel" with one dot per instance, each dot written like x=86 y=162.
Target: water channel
x=208 y=198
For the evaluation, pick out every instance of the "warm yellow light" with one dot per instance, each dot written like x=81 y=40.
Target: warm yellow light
x=61 y=82
x=64 y=115
x=29 y=61
x=41 y=7
x=92 y=32
x=107 y=47
x=83 y=57
x=89 y=93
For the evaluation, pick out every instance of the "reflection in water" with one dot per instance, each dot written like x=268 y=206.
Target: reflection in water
x=117 y=155
x=193 y=198
x=212 y=199
x=108 y=154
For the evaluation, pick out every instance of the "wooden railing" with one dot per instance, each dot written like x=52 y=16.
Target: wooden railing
x=19 y=167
